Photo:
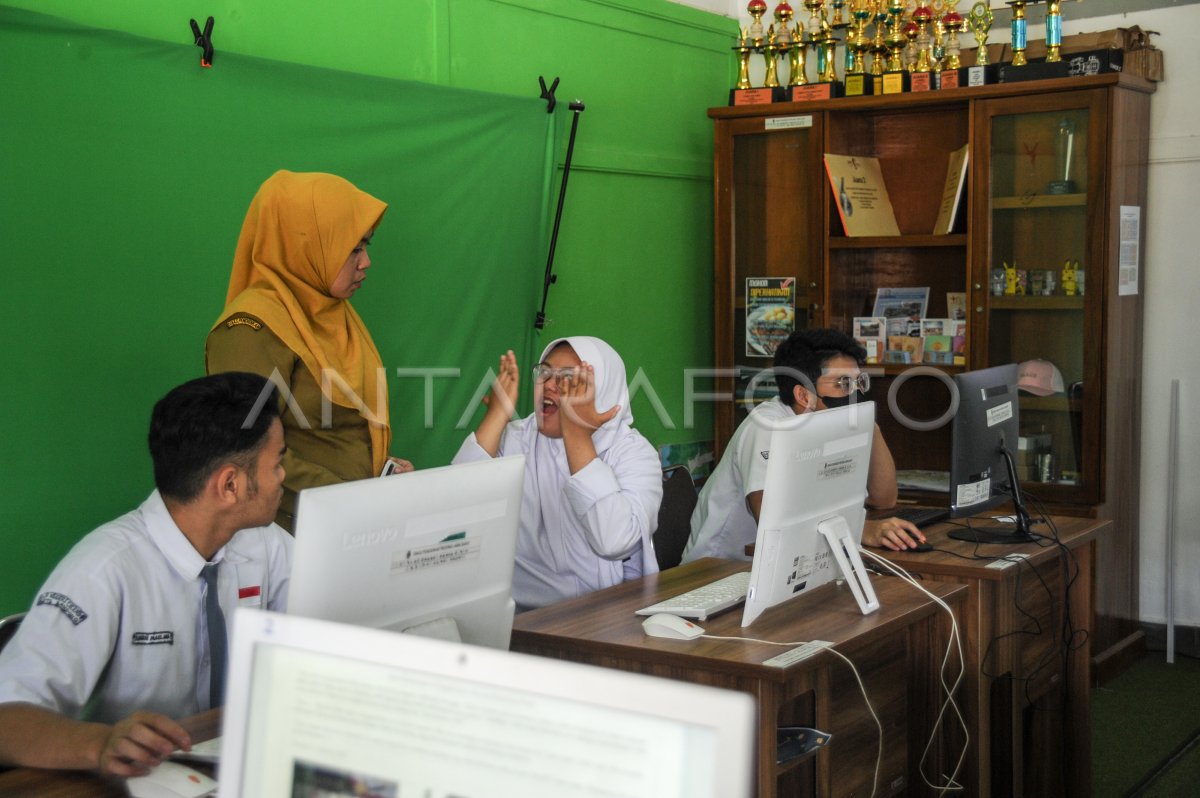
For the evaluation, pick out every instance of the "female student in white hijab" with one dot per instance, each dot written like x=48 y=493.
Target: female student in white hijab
x=592 y=483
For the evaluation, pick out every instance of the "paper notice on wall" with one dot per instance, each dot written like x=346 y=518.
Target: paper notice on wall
x=1127 y=265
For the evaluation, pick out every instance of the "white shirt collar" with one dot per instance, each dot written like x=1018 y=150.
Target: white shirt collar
x=171 y=541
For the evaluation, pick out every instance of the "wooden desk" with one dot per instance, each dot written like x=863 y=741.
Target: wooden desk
x=894 y=650
x=1027 y=699
x=34 y=783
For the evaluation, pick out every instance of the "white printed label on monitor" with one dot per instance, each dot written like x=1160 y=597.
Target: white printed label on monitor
x=999 y=414
x=832 y=469
x=974 y=492
x=445 y=552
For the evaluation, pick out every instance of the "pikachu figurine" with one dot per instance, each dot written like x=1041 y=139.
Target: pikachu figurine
x=1010 y=279
x=1070 y=282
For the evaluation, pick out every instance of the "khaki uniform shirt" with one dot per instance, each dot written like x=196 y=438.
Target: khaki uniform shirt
x=326 y=443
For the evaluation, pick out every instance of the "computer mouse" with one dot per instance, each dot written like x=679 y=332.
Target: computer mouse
x=171 y=780
x=922 y=547
x=664 y=624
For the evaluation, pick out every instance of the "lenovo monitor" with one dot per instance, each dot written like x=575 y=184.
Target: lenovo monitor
x=429 y=552
x=813 y=509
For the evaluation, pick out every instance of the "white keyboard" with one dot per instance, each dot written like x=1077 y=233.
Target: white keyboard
x=705 y=600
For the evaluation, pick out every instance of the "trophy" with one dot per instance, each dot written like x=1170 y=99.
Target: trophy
x=756 y=9
x=815 y=11
x=1019 y=27
x=743 y=50
x=858 y=81
x=983 y=72
x=1064 y=146
x=878 y=45
x=798 y=75
x=755 y=39
x=922 y=78
x=953 y=22
x=1053 y=31
x=770 y=53
x=895 y=78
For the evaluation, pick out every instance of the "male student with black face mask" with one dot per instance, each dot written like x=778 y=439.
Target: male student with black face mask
x=815 y=370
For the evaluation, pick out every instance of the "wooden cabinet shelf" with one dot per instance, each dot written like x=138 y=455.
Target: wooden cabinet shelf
x=775 y=216
x=1033 y=201
x=895 y=242
x=1036 y=302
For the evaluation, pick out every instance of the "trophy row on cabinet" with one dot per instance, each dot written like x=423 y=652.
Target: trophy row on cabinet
x=885 y=48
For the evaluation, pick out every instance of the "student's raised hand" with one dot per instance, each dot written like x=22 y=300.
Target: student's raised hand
x=577 y=400
x=892 y=533
x=139 y=742
x=505 y=388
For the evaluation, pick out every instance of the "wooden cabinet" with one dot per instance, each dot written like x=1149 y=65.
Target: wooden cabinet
x=1056 y=176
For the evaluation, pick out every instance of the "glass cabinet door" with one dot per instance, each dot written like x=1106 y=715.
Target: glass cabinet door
x=769 y=255
x=1044 y=262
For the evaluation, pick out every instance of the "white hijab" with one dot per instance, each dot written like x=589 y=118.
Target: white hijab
x=551 y=470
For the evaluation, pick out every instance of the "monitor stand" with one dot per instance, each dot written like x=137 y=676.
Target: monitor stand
x=1019 y=532
x=845 y=551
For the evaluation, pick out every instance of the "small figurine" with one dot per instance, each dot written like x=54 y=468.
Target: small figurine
x=1069 y=282
x=1022 y=282
x=1010 y=280
x=998 y=282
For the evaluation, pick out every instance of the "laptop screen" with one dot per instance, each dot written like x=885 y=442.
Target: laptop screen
x=321 y=708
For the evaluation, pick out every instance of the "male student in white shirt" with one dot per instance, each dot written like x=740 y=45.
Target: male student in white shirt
x=815 y=369
x=117 y=644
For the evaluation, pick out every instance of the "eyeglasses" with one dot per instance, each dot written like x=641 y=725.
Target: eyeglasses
x=845 y=383
x=542 y=372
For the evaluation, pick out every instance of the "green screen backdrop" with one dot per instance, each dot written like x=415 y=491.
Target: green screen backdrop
x=125 y=172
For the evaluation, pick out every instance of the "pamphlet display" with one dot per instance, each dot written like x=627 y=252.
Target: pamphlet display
x=770 y=313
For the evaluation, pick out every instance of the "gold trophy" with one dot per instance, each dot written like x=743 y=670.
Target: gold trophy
x=1019 y=28
x=743 y=50
x=878 y=45
x=798 y=76
x=770 y=54
x=922 y=71
x=949 y=77
x=752 y=40
x=858 y=80
x=895 y=77
x=980 y=22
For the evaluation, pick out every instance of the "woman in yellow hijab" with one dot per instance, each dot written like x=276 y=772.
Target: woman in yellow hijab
x=300 y=257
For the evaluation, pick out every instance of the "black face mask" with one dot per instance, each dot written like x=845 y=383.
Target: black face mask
x=842 y=401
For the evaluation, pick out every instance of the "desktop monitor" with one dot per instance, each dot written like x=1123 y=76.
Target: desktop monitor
x=355 y=711
x=429 y=552
x=982 y=472
x=813 y=509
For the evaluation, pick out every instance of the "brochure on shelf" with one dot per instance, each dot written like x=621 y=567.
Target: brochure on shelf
x=770 y=313
x=956 y=178
x=901 y=303
x=860 y=195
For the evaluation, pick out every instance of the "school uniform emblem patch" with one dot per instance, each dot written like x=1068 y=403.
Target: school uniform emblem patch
x=73 y=611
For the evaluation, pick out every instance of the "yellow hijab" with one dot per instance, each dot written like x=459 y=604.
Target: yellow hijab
x=299 y=231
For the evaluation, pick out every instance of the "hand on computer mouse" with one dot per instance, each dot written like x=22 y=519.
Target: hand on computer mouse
x=892 y=533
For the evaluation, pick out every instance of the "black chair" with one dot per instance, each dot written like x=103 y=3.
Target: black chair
x=674 y=516
x=8 y=627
